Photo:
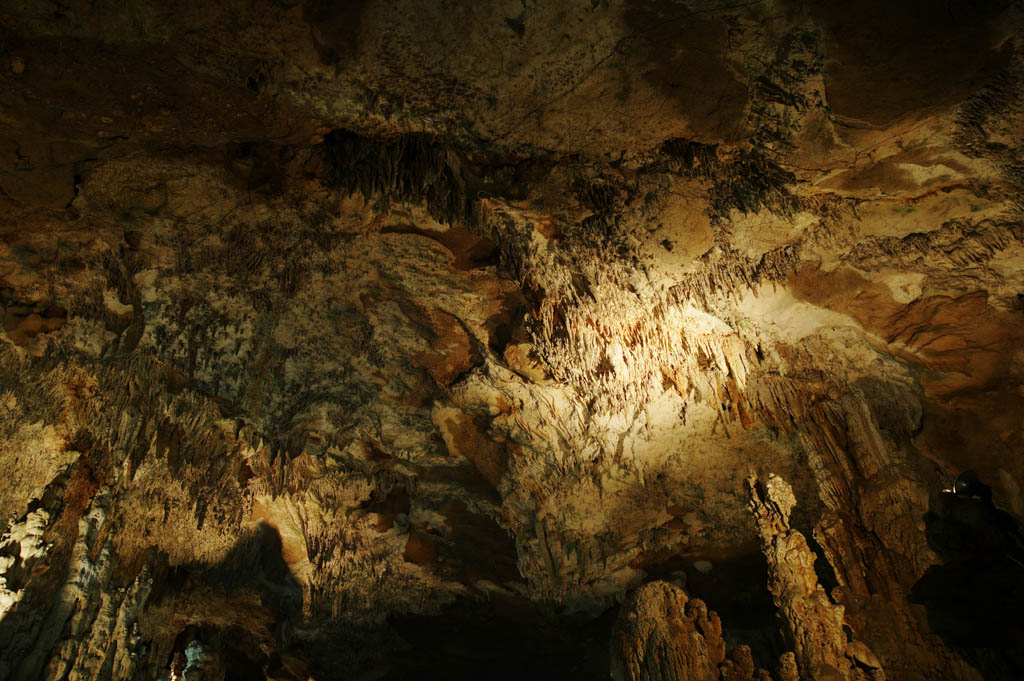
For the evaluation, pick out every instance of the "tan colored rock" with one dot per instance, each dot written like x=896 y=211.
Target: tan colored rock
x=656 y=639
x=814 y=623
x=337 y=336
x=661 y=633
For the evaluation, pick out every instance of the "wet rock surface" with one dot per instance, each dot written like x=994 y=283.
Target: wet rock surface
x=387 y=339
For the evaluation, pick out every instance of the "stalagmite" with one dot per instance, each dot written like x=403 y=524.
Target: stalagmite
x=663 y=635
x=814 y=624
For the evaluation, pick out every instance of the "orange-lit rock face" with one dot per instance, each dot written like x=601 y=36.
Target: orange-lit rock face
x=393 y=339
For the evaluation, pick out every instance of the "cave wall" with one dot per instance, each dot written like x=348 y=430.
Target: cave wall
x=324 y=323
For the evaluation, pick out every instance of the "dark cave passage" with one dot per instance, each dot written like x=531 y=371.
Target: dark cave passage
x=975 y=595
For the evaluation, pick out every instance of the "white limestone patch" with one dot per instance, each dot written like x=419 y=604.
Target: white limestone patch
x=925 y=174
x=898 y=218
x=754 y=234
x=679 y=232
x=112 y=303
x=145 y=281
x=783 y=316
x=1009 y=265
x=904 y=287
x=22 y=544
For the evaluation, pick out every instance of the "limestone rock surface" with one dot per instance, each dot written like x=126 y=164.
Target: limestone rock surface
x=387 y=339
x=662 y=634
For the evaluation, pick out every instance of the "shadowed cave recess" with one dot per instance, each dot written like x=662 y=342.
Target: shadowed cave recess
x=640 y=340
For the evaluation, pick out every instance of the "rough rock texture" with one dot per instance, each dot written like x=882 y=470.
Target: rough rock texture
x=662 y=635
x=813 y=624
x=403 y=338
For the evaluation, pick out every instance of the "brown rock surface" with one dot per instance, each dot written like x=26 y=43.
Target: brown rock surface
x=814 y=625
x=662 y=634
x=394 y=339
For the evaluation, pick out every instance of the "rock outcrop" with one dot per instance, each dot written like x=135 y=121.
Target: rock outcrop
x=813 y=623
x=662 y=634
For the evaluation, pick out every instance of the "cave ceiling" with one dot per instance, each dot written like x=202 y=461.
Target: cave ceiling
x=354 y=339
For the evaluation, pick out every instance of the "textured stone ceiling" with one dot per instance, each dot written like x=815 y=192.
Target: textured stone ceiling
x=380 y=340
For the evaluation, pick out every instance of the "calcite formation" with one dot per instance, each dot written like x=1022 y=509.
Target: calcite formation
x=813 y=624
x=396 y=339
x=662 y=634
